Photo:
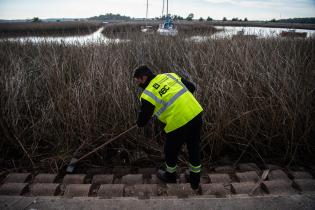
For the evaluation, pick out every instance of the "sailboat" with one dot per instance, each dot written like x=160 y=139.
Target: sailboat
x=146 y=28
x=167 y=28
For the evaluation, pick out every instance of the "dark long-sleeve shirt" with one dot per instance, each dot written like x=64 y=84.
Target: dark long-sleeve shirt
x=147 y=108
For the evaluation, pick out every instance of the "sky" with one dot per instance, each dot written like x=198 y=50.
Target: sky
x=216 y=9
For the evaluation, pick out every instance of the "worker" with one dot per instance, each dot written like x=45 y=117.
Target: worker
x=170 y=98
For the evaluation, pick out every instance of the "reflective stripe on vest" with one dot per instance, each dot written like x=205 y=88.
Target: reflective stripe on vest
x=171 y=101
x=156 y=99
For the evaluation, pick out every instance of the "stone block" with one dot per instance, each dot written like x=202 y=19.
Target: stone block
x=248 y=167
x=147 y=171
x=300 y=175
x=246 y=188
x=273 y=167
x=155 y=180
x=216 y=189
x=204 y=179
x=219 y=178
x=78 y=190
x=111 y=190
x=141 y=191
x=121 y=171
x=249 y=176
x=224 y=169
x=103 y=179
x=14 y=188
x=45 y=178
x=305 y=185
x=132 y=179
x=180 y=190
x=74 y=179
x=45 y=189
x=278 y=187
x=17 y=177
x=277 y=175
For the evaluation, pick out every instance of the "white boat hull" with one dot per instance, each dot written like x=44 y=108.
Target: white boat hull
x=167 y=32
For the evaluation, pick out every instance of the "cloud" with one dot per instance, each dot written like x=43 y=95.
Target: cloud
x=265 y=3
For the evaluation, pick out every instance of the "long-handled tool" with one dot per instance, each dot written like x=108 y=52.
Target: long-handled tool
x=74 y=161
x=263 y=178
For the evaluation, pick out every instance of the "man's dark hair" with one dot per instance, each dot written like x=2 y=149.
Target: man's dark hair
x=143 y=70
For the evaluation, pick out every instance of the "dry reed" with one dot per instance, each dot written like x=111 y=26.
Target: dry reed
x=258 y=97
x=48 y=28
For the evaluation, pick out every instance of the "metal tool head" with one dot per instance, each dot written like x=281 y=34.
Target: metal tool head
x=71 y=165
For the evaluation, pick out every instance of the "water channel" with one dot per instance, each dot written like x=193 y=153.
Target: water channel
x=227 y=32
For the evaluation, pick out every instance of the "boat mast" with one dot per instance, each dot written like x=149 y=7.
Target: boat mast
x=167 y=8
x=163 y=8
x=146 y=16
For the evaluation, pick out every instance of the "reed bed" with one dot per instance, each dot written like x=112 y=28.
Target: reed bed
x=133 y=29
x=48 y=28
x=258 y=98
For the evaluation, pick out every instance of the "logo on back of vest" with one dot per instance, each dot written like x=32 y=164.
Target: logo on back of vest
x=156 y=86
x=163 y=90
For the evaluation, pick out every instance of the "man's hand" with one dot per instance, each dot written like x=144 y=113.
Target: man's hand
x=145 y=113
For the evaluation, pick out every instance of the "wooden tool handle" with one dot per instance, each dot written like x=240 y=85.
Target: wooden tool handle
x=103 y=145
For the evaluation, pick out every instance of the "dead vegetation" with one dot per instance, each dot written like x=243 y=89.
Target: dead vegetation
x=258 y=97
x=48 y=28
x=132 y=29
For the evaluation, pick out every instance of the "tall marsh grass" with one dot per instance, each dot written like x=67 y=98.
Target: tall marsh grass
x=48 y=28
x=258 y=97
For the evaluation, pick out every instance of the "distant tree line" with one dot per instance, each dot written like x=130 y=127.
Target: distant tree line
x=36 y=20
x=110 y=16
x=190 y=17
x=174 y=17
x=310 y=20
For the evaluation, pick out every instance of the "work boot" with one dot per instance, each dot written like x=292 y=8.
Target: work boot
x=166 y=176
x=193 y=179
x=198 y=190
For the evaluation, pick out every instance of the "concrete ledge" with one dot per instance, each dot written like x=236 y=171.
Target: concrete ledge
x=288 y=202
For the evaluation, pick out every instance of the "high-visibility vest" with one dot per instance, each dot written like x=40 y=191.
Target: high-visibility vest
x=174 y=103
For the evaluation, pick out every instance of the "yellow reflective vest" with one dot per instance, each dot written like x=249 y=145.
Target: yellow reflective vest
x=174 y=103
